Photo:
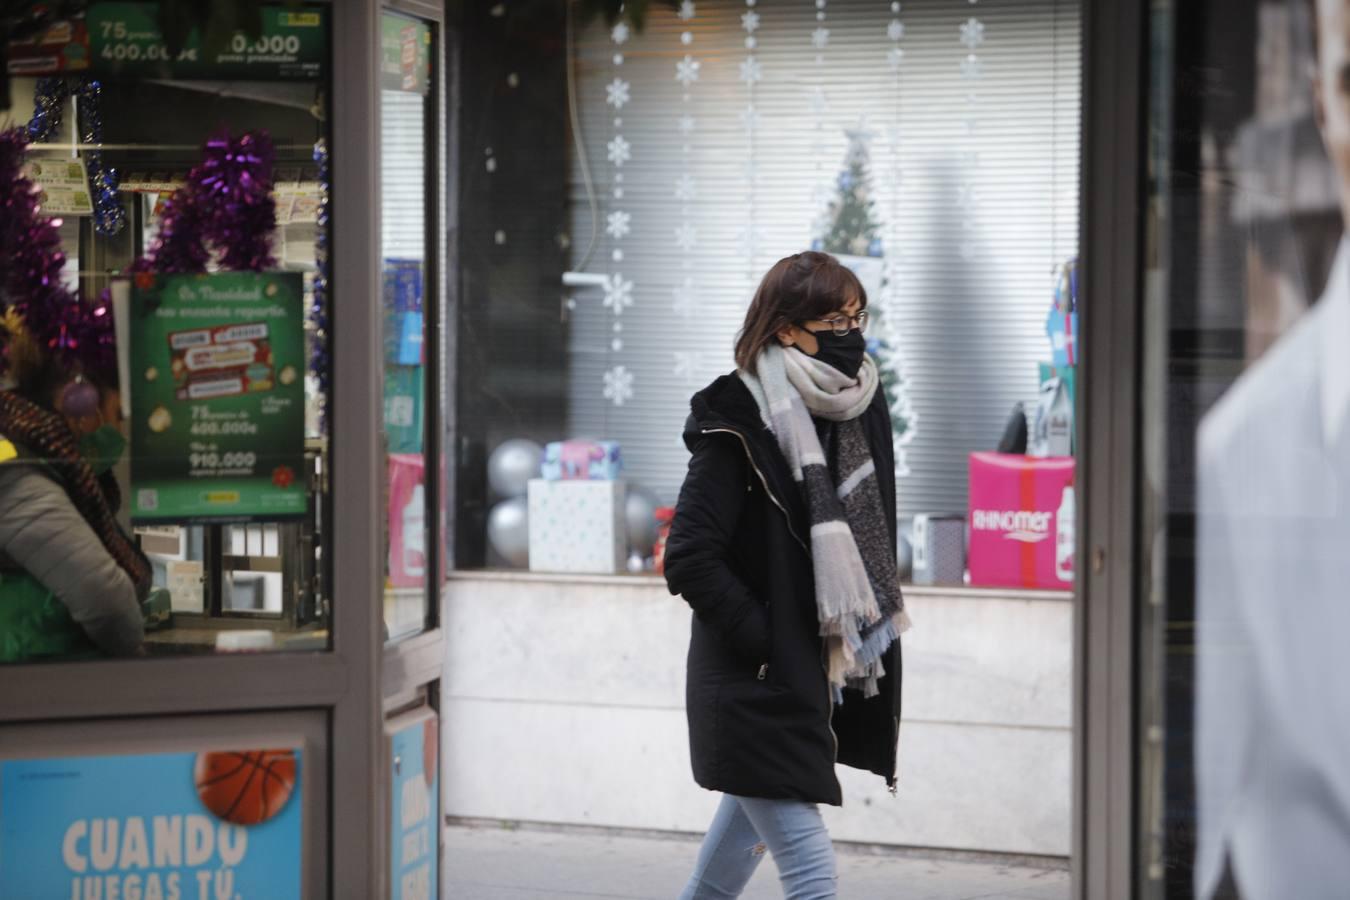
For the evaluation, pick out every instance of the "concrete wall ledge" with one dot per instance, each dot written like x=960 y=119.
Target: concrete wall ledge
x=563 y=695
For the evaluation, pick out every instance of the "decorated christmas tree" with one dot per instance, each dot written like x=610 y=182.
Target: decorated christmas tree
x=851 y=232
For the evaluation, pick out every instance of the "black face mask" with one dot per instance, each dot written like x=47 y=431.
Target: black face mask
x=843 y=351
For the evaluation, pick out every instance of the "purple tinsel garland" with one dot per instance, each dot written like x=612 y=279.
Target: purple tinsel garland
x=80 y=335
x=227 y=204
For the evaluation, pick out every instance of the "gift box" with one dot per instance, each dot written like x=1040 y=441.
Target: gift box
x=578 y=526
x=1021 y=521
x=939 y=548
x=582 y=460
x=403 y=386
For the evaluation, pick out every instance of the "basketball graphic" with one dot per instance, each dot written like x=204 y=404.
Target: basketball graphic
x=246 y=788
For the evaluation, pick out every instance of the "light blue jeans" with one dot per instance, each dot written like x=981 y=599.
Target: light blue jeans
x=743 y=829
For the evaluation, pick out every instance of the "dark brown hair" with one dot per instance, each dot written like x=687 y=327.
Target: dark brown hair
x=798 y=288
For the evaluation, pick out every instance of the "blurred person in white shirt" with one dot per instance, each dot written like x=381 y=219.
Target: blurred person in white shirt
x=1273 y=583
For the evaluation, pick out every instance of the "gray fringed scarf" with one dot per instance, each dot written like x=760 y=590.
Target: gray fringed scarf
x=858 y=596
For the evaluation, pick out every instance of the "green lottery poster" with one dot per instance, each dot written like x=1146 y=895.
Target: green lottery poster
x=216 y=371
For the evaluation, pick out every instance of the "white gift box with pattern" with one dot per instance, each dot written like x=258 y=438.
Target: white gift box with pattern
x=578 y=526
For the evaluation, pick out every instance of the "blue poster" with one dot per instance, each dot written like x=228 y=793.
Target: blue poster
x=414 y=845
x=165 y=826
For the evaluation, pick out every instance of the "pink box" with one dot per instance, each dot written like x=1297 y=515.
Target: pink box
x=1021 y=521
x=407 y=521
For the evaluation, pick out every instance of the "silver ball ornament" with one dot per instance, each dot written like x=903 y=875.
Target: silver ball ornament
x=511 y=466
x=509 y=531
x=640 y=515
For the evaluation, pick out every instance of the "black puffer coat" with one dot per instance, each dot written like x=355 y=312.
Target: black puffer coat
x=759 y=705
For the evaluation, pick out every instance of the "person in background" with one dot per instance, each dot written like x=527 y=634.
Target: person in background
x=71 y=581
x=1272 y=609
x=783 y=543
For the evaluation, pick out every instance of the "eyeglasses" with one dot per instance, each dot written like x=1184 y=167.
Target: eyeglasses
x=842 y=325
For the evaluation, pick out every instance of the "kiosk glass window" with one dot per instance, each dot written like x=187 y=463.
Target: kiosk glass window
x=407 y=119
x=165 y=407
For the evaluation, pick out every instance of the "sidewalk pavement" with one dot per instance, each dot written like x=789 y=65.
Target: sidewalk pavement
x=498 y=863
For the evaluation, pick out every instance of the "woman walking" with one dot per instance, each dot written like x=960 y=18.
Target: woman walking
x=784 y=545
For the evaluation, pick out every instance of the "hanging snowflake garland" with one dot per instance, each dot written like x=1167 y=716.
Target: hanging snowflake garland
x=618 y=222
x=620 y=151
x=686 y=71
x=751 y=73
x=685 y=233
x=618 y=294
x=687 y=365
x=684 y=298
x=884 y=338
x=971 y=37
x=618 y=385
x=617 y=93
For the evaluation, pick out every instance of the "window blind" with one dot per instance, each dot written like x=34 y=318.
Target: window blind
x=974 y=174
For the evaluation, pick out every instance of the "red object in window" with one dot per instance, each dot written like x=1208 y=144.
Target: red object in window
x=664 y=515
x=283 y=477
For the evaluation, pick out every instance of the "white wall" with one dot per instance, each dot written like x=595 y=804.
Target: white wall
x=563 y=702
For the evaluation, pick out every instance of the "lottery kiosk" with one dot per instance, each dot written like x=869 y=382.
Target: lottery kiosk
x=236 y=214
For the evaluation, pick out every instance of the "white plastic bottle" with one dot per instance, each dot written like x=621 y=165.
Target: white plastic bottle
x=1065 y=536
x=414 y=535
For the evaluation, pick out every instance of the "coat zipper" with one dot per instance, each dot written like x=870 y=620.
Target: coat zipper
x=750 y=457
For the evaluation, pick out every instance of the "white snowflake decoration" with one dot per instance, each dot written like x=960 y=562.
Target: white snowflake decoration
x=619 y=224
x=687 y=10
x=750 y=119
x=971 y=67
x=687 y=364
x=895 y=57
x=748 y=239
x=620 y=151
x=618 y=92
x=751 y=70
x=750 y=21
x=618 y=385
x=685 y=188
x=972 y=33
x=686 y=70
x=618 y=294
x=620 y=33
x=820 y=104
x=820 y=38
x=686 y=124
x=896 y=30
x=686 y=237
x=685 y=298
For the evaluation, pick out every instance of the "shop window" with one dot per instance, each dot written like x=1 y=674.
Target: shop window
x=191 y=189
x=623 y=192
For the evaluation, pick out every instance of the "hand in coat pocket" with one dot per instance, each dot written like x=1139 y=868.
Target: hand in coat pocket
x=750 y=637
